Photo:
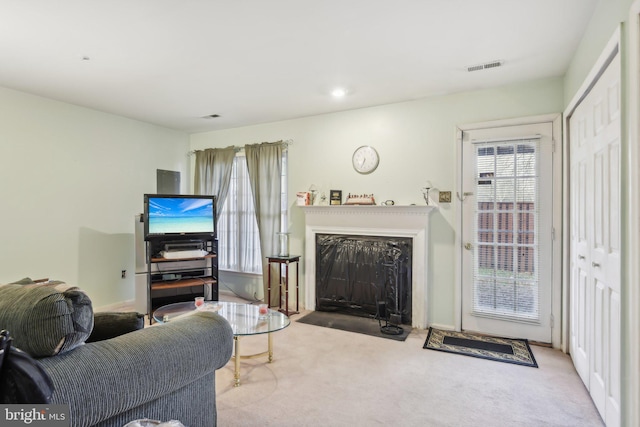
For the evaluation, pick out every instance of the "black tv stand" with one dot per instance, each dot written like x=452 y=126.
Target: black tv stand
x=181 y=278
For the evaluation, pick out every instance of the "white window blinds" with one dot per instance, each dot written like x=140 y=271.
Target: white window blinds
x=506 y=229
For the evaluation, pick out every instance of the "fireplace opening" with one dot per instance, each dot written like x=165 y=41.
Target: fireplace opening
x=358 y=275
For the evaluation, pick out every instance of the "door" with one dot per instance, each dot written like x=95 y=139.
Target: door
x=594 y=130
x=507 y=230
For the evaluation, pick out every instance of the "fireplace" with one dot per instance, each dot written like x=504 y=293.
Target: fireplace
x=394 y=222
x=358 y=275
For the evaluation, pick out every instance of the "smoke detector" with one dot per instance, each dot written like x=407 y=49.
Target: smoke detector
x=485 y=66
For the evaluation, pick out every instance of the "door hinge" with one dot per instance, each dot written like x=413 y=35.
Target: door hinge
x=553 y=233
x=551 y=320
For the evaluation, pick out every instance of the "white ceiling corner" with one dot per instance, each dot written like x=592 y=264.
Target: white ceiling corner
x=253 y=61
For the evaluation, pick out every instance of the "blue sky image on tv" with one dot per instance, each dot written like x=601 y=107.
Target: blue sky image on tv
x=180 y=215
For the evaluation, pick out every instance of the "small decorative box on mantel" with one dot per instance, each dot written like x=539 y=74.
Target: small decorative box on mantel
x=303 y=198
x=364 y=199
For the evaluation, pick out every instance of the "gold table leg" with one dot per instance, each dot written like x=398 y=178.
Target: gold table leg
x=236 y=356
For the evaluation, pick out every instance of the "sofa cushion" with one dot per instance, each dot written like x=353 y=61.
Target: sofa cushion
x=45 y=319
x=107 y=325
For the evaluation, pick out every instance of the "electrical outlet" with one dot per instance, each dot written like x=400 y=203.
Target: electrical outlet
x=444 y=197
x=124 y=274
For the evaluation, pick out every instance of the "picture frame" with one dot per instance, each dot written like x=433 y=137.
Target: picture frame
x=335 y=197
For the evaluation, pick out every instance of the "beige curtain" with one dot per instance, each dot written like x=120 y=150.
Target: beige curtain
x=213 y=173
x=264 y=165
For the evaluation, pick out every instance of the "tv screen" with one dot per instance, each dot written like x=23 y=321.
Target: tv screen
x=174 y=215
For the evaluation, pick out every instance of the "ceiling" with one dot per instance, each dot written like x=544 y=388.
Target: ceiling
x=171 y=62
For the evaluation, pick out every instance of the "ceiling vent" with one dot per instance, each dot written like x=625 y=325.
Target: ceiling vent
x=485 y=66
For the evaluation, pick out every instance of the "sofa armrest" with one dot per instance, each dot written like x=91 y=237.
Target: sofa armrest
x=104 y=378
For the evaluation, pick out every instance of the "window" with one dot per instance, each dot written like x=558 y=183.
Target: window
x=505 y=271
x=238 y=237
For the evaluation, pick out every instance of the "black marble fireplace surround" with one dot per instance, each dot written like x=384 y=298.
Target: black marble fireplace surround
x=355 y=273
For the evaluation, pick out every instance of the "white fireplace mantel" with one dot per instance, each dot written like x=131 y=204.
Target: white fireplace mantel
x=393 y=221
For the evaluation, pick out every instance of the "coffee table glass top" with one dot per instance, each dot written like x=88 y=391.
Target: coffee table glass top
x=243 y=318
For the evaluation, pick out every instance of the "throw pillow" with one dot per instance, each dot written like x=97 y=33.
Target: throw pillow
x=45 y=319
x=108 y=324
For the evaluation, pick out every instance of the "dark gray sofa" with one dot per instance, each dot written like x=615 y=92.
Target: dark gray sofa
x=162 y=372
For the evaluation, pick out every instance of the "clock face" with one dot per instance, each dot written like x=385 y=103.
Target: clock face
x=365 y=159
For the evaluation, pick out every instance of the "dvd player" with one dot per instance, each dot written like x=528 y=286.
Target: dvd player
x=196 y=253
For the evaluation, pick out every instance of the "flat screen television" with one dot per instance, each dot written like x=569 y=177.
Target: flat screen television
x=179 y=215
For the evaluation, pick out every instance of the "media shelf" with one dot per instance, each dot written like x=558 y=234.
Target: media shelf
x=183 y=283
x=182 y=259
x=179 y=279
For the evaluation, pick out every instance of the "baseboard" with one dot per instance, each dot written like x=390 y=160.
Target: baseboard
x=443 y=327
x=127 y=305
x=226 y=292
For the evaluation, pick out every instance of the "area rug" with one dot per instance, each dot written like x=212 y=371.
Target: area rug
x=346 y=322
x=506 y=350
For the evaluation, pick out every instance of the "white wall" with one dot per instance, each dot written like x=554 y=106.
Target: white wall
x=416 y=142
x=605 y=20
x=72 y=180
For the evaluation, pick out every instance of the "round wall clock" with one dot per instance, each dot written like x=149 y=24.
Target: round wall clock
x=365 y=159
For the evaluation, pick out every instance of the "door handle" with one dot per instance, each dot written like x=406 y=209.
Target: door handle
x=580 y=256
x=464 y=195
x=468 y=246
x=595 y=264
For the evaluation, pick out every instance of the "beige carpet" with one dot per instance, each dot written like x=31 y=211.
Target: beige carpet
x=328 y=377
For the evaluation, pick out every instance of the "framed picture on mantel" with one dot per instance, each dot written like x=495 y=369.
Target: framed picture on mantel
x=335 y=197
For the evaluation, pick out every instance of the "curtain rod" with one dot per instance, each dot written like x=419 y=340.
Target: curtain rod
x=285 y=142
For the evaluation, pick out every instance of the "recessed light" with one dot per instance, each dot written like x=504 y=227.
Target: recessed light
x=339 y=92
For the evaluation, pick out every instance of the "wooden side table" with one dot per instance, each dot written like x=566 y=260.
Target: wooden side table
x=284 y=260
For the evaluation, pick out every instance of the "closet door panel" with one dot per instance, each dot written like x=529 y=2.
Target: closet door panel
x=594 y=129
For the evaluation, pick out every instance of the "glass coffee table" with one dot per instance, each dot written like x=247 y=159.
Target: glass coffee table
x=244 y=319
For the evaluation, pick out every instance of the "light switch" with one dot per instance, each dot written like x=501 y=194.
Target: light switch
x=444 y=197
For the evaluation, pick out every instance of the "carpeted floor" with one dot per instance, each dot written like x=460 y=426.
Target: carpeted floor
x=328 y=377
x=516 y=351
x=349 y=323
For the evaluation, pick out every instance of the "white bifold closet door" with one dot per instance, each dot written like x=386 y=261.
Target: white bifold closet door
x=594 y=132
